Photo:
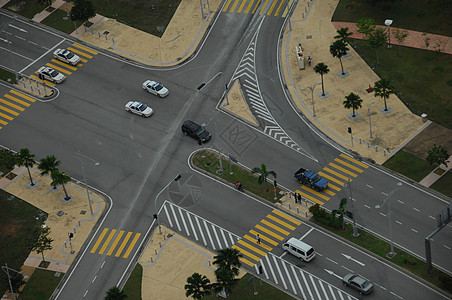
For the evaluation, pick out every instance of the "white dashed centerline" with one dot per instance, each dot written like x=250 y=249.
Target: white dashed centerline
x=416 y=209
x=414 y=230
x=400 y=223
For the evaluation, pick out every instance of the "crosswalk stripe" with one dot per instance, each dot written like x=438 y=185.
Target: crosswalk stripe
x=263 y=7
x=289 y=277
x=17 y=100
x=99 y=240
x=331 y=291
x=298 y=281
x=224 y=238
x=249 y=246
x=264 y=238
x=80 y=52
x=107 y=241
x=326 y=169
x=342 y=169
x=83 y=61
x=9 y=110
x=279 y=271
x=168 y=216
x=271 y=8
x=175 y=218
x=327 y=191
x=241 y=6
x=322 y=287
x=315 y=193
x=350 y=166
x=267 y=259
x=354 y=160
x=257 y=5
x=310 y=198
x=216 y=236
x=55 y=61
x=208 y=234
x=132 y=244
x=201 y=231
x=251 y=239
x=6 y=116
x=116 y=241
x=3 y=122
x=279 y=7
x=85 y=49
x=250 y=4
x=340 y=183
x=12 y=104
x=244 y=252
x=315 y=287
x=123 y=244
x=281 y=214
x=285 y=232
x=280 y=222
x=192 y=227
x=332 y=186
x=306 y=284
x=246 y=261
x=225 y=9
x=183 y=221
x=22 y=95
x=234 y=5
x=59 y=69
x=269 y=232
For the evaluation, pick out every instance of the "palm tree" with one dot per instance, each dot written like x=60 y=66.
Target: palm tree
x=228 y=259
x=49 y=164
x=321 y=69
x=225 y=281
x=197 y=286
x=383 y=89
x=339 y=49
x=60 y=178
x=263 y=174
x=343 y=34
x=352 y=101
x=116 y=294
x=25 y=158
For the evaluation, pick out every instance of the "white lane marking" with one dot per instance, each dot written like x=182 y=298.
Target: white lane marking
x=216 y=236
x=94 y=279
x=102 y=264
x=19 y=37
x=271 y=270
x=367 y=206
x=279 y=271
x=201 y=231
x=192 y=228
x=355 y=260
x=395 y=295
x=167 y=215
x=331 y=291
x=84 y=295
x=432 y=217
x=416 y=209
x=331 y=260
x=183 y=221
x=298 y=281
x=384 y=194
x=289 y=277
x=232 y=238
x=369 y=186
x=414 y=230
x=383 y=214
x=282 y=255
x=400 y=201
x=208 y=234
x=306 y=234
x=44 y=54
x=17 y=54
x=33 y=43
x=306 y=284
x=175 y=218
x=400 y=223
x=322 y=287
x=448 y=248
x=224 y=239
x=350 y=270
x=18 y=28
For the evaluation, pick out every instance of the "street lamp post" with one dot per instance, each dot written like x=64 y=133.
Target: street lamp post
x=370 y=120
x=399 y=184
x=311 y=88
x=355 y=229
x=156 y=197
x=388 y=23
x=84 y=178
x=6 y=269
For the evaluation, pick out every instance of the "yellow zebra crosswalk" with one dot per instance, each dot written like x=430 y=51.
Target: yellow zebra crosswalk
x=109 y=239
x=12 y=104
x=276 y=8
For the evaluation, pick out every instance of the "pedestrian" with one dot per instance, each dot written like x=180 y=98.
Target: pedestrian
x=258 y=238
x=309 y=60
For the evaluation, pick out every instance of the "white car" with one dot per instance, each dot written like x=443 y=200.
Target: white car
x=155 y=88
x=66 y=56
x=139 y=108
x=50 y=74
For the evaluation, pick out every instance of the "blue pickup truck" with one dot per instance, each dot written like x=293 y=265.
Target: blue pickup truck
x=311 y=179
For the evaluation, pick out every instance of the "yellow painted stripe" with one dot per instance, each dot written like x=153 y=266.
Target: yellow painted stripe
x=107 y=241
x=342 y=169
x=85 y=49
x=327 y=191
x=340 y=183
x=117 y=239
x=309 y=197
x=244 y=252
x=332 y=186
x=47 y=82
x=315 y=193
x=80 y=52
x=59 y=69
x=249 y=6
x=22 y=95
x=9 y=110
x=264 y=238
x=12 y=104
x=249 y=246
x=354 y=160
x=6 y=116
x=1 y=127
x=226 y=6
x=350 y=166
x=335 y=173
x=257 y=4
x=3 y=122
x=56 y=61
x=101 y=237
x=83 y=61
x=280 y=222
x=123 y=244
x=253 y=239
x=285 y=232
x=246 y=261
x=263 y=7
x=281 y=214
x=233 y=6
x=241 y=6
x=279 y=7
x=132 y=244
x=271 y=7
x=17 y=100
x=269 y=232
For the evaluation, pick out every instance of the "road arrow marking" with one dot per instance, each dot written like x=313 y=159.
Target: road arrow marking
x=332 y=273
x=350 y=258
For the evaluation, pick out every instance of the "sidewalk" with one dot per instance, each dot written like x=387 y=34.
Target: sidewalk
x=434 y=176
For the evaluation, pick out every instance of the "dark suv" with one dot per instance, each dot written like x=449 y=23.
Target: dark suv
x=195 y=131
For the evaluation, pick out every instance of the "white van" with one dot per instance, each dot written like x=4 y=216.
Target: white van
x=299 y=249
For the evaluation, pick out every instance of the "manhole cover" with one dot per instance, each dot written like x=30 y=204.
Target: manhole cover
x=187 y=191
x=60 y=213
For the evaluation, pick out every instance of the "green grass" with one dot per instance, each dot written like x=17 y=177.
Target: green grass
x=133 y=284
x=152 y=16
x=245 y=291
x=58 y=20
x=417 y=80
x=41 y=285
x=416 y=15
x=26 y=8
x=409 y=165
x=7 y=75
x=248 y=180
x=17 y=232
x=443 y=185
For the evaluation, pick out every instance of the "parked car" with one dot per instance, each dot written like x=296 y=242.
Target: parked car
x=50 y=74
x=139 y=108
x=195 y=131
x=362 y=285
x=156 y=88
x=66 y=56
